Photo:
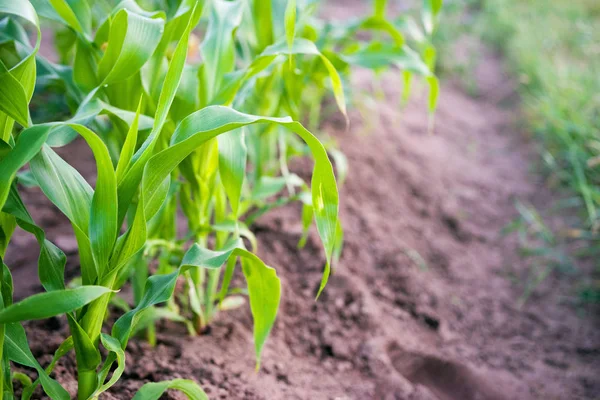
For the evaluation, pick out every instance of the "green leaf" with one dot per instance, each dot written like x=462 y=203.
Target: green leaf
x=290 y=24
x=380 y=8
x=154 y=390
x=378 y=23
x=262 y=17
x=430 y=13
x=65 y=347
x=18 y=351
x=270 y=54
x=63 y=9
x=379 y=55
x=218 y=47
x=232 y=166
x=132 y=40
x=103 y=215
x=85 y=68
x=434 y=91
x=114 y=347
x=264 y=290
x=210 y=122
x=16 y=85
x=64 y=186
x=88 y=356
x=28 y=144
x=66 y=189
x=129 y=185
x=46 y=305
x=13 y=100
x=129 y=147
x=51 y=262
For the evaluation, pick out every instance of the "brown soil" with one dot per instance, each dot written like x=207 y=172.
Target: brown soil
x=419 y=306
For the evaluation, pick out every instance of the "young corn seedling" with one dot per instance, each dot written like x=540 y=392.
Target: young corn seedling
x=143 y=174
x=94 y=216
x=165 y=130
x=243 y=65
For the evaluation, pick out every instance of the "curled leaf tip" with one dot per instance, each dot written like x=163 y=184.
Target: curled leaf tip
x=324 y=280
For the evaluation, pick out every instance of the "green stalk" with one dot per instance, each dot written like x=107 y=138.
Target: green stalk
x=198 y=276
x=215 y=274
x=86 y=381
x=92 y=324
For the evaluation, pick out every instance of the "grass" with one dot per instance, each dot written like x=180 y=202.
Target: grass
x=552 y=49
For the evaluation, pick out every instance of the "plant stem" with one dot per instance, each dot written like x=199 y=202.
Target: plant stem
x=86 y=381
x=199 y=277
x=92 y=324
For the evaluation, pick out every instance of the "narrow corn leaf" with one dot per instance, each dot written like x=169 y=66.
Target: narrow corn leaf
x=64 y=348
x=28 y=144
x=17 y=348
x=132 y=40
x=434 y=92
x=51 y=262
x=262 y=16
x=218 y=47
x=50 y=304
x=380 y=8
x=307 y=218
x=64 y=10
x=88 y=356
x=129 y=185
x=8 y=224
x=64 y=186
x=232 y=166
x=129 y=146
x=13 y=100
x=66 y=189
x=204 y=125
x=85 y=68
x=290 y=25
x=198 y=256
x=377 y=23
x=380 y=55
x=264 y=289
x=227 y=276
x=114 y=347
x=103 y=215
x=267 y=58
x=154 y=390
x=430 y=13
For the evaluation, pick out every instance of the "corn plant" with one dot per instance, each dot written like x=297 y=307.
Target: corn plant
x=173 y=123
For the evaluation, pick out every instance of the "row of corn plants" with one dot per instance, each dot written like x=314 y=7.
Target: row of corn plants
x=192 y=111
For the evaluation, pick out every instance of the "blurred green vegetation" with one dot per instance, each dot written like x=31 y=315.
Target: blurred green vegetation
x=552 y=48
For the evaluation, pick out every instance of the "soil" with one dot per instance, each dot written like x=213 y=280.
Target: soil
x=419 y=307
